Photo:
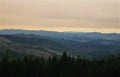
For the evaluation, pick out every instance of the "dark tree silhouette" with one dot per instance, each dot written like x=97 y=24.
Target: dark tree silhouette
x=65 y=66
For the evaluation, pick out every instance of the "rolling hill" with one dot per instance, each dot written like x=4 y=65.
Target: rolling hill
x=30 y=46
x=47 y=43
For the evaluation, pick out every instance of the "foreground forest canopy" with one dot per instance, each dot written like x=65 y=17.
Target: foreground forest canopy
x=64 y=66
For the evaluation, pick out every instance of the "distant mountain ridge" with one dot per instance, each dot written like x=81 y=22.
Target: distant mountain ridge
x=75 y=43
x=43 y=32
x=62 y=34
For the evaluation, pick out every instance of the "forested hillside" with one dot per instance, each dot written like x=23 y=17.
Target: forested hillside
x=89 y=44
x=64 y=66
x=40 y=55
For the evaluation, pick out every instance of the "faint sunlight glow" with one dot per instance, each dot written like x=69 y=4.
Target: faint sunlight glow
x=61 y=15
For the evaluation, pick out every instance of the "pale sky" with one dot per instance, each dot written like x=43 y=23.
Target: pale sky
x=61 y=15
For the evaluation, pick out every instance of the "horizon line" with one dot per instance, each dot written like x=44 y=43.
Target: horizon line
x=63 y=31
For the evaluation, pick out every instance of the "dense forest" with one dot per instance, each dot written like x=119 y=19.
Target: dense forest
x=64 y=66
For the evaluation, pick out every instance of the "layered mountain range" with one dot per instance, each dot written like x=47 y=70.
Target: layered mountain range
x=49 y=43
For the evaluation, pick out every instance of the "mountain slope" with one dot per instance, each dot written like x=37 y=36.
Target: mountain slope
x=36 y=46
x=75 y=43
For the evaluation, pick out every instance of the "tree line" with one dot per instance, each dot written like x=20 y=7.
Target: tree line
x=64 y=66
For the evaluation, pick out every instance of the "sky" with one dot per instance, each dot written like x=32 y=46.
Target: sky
x=61 y=15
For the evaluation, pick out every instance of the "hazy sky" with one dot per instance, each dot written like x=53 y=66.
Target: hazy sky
x=61 y=15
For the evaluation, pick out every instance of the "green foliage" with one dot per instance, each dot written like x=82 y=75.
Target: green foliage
x=65 y=66
x=11 y=54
